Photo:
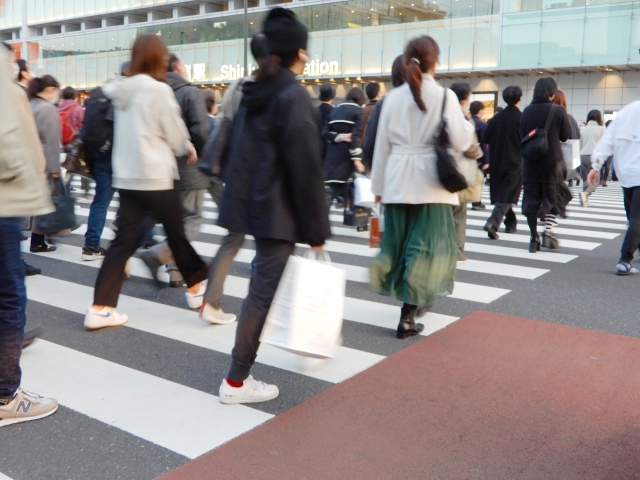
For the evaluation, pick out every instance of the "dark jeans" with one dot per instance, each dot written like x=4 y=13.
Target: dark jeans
x=167 y=208
x=101 y=201
x=503 y=210
x=632 y=239
x=13 y=303
x=220 y=266
x=333 y=190
x=270 y=262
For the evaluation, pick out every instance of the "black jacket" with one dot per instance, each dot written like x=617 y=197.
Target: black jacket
x=502 y=135
x=325 y=109
x=535 y=116
x=194 y=114
x=370 y=135
x=338 y=164
x=274 y=178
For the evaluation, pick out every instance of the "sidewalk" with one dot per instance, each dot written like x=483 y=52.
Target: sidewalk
x=489 y=397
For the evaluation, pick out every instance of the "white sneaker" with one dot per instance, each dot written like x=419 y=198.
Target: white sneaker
x=194 y=300
x=25 y=406
x=210 y=314
x=107 y=317
x=251 y=392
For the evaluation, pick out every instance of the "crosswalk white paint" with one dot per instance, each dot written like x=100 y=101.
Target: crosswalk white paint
x=162 y=412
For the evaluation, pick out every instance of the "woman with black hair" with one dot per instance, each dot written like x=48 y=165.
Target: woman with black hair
x=545 y=194
x=417 y=260
x=274 y=188
x=590 y=135
x=24 y=74
x=342 y=133
x=44 y=95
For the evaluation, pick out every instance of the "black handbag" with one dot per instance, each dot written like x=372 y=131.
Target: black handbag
x=535 y=146
x=214 y=153
x=448 y=174
x=76 y=161
x=64 y=217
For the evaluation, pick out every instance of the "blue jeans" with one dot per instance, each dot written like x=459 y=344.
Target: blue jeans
x=101 y=201
x=13 y=303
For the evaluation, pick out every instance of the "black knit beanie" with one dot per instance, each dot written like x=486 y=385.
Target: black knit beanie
x=285 y=34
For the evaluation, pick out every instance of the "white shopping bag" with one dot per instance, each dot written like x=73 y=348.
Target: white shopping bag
x=363 y=197
x=306 y=314
x=571 y=153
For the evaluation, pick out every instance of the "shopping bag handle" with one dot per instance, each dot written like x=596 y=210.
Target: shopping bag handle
x=314 y=254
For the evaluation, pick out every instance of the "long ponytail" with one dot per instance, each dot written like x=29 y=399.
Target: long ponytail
x=420 y=55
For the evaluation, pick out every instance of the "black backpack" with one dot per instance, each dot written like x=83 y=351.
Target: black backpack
x=97 y=129
x=535 y=145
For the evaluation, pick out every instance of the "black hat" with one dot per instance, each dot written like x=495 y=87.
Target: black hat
x=326 y=93
x=286 y=35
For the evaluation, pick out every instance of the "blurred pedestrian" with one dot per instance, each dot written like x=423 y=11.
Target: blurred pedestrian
x=342 y=132
x=327 y=94
x=212 y=108
x=71 y=119
x=572 y=173
x=545 y=194
x=417 y=259
x=622 y=141
x=476 y=109
x=590 y=135
x=24 y=74
x=373 y=95
x=274 y=188
x=23 y=192
x=503 y=138
x=149 y=134
x=44 y=95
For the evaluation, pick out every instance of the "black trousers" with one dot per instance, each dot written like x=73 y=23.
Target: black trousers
x=166 y=206
x=333 y=190
x=632 y=239
x=503 y=210
x=271 y=258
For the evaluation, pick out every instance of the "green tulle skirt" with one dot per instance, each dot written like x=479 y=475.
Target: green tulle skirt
x=418 y=254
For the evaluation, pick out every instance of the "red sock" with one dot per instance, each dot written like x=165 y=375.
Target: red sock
x=234 y=384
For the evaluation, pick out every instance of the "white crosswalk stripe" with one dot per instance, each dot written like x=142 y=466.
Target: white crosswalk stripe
x=493 y=270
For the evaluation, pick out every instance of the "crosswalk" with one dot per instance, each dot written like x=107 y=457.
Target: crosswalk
x=84 y=379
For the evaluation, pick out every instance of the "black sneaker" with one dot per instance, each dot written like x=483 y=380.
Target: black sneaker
x=89 y=252
x=30 y=270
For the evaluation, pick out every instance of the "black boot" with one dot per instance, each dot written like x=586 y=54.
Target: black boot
x=534 y=245
x=550 y=241
x=408 y=326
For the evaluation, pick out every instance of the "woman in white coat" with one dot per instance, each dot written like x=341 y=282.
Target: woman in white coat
x=590 y=135
x=417 y=261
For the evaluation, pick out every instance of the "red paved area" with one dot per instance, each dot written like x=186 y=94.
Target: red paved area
x=489 y=397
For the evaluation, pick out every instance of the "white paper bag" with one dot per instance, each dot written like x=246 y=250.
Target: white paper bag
x=363 y=197
x=306 y=314
x=571 y=153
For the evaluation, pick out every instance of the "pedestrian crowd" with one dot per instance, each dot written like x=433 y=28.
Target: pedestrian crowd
x=274 y=165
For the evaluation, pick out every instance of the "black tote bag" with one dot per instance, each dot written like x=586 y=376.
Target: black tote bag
x=63 y=218
x=448 y=174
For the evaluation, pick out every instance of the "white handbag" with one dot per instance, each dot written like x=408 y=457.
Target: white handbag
x=571 y=153
x=306 y=313
x=363 y=197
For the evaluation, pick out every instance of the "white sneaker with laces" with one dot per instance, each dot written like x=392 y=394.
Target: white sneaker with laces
x=210 y=314
x=25 y=406
x=107 y=317
x=194 y=300
x=252 y=391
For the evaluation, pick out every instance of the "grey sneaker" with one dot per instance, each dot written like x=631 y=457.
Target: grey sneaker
x=26 y=406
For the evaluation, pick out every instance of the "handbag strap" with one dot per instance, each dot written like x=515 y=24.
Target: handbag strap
x=550 y=117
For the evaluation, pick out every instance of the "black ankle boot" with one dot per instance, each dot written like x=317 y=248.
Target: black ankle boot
x=408 y=326
x=549 y=241
x=534 y=244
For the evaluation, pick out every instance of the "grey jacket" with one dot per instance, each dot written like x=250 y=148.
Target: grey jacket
x=48 y=124
x=194 y=114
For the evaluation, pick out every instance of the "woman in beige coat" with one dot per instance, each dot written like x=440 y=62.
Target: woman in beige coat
x=417 y=261
x=590 y=135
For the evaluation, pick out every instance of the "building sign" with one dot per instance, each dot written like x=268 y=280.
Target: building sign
x=197 y=72
x=313 y=68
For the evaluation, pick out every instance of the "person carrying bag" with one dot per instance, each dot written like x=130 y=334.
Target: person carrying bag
x=63 y=219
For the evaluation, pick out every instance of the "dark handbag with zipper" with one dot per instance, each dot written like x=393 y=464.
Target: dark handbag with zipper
x=64 y=217
x=448 y=174
x=76 y=161
x=214 y=153
x=535 y=146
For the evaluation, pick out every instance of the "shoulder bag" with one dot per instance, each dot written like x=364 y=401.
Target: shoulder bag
x=448 y=174
x=535 y=146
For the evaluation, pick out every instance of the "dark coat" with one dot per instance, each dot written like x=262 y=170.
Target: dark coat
x=481 y=126
x=325 y=110
x=345 y=118
x=370 y=135
x=194 y=114
x=274 y=183
x=502 y=135
x=575 y=129
x=535 y=116
x=367 y=110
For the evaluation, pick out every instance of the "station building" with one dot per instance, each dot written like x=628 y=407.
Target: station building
x=591 y=47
